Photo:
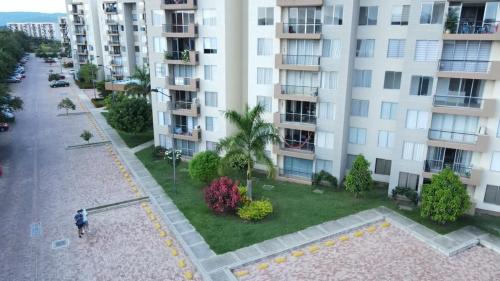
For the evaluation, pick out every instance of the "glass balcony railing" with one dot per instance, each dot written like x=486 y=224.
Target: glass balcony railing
x=453 y=65
x=180 y=81
x=297 y=145
x=302 y=28
x=457 y=101
x=176 y=28
x=301 y=59
x=299 y=90
x=178 y=105
x=436 y=166
x=298 y=118
x=450 y=136
x=296 y=173
x=473 y=27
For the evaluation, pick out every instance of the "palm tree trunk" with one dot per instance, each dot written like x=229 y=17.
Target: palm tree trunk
x=249 y=181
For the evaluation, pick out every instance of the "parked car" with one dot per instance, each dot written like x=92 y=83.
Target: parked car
x=50 y=60
x=12 y=80
x=4 y=126
x=9 y=115
x=59 y=83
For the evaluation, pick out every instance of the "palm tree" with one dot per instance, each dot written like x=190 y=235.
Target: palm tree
x=250 y=140
x=143 y=85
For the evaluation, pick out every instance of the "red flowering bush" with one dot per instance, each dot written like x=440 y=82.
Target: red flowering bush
x=222 y=195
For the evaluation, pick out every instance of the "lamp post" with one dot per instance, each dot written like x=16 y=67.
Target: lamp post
x=92 y=73
x=174 y=153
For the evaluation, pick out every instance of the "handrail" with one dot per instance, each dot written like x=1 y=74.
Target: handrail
x=301 y=59
x=454 y=65
x=297 y=145
x=458 y=137
x=299 y=90
x=457 y=101
x=474 y=27
x=303 y=28
x=298 y=117
x=436 y=166
x=180 y=81
x=291 y=173
x=176 y=28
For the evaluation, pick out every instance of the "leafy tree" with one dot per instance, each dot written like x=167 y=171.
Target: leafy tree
x=359 y=178
x=87 y=74
x=67 y=104
x=445 y=199
x=131 y=115
x=86 y=136
x=8 y=102
x=101 y=88
x=143 y=85
x=250 y=140
x=204 y=165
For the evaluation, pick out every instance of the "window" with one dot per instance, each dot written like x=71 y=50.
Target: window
x=426 y=50
x=349 y=160
x=408 y=180
x=392 y=80
x=264 y=47
x=416 y=119
x=413 y=151
x=329 y=80
x=359 y=108
x=264 y=76
x=163 y=118
x=368 y=15
x=386 y=139
x=383 y=166
x=210 y=123
x=388 y=110
x=137 y=49
x=160 y=97
x=164 y=141
x=495 y=161
x=158 y=17
x=432 y=13
x=210 y=45
x=324 y=140
x=365 y=47
x=211 y=99
x=160 y=70
x=209 y=71
x=396 y=48
x=492 y=194
x=326 y=111
x=421 y=85
x=135 y=27
x=209 y=17
x=362 y=78
x=324 y=165
x=265 y=102
x=357 y=135
x=400 y=15
x=265 y=16
x=159 y=44
x=211 y=146
x=333 y=15
x=498 y=130
x=331 y=48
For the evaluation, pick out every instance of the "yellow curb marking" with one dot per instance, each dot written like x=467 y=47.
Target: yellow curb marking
x=152 y=217
x=263 y=266
x=280 y=260
x=314 y=249
x=144 y=204
x=148 y=210
x=358 y=233
x=169 y=242
x=329 y=243
x=386 y=224
x=174 y=252
x=163 y=233
x=157 y=225
x=181 y=264
x=297 y=253
x=371 y=229
x=241 y=273
x=344 y=238
x=188 y=275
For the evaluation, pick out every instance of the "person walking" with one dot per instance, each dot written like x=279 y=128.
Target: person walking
x=79 y=223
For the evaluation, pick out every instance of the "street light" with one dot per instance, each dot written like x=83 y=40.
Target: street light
x=175 y=154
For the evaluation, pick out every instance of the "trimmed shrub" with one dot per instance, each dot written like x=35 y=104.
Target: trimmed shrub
x=256 y=210
x=405 y=191
x=159 y=152
x=243 y=195
x=131 y=115
x=204 y=166
x=323 y=176
x=98 y=102
x=54 y=76
x=222 y=195
x=359 y=178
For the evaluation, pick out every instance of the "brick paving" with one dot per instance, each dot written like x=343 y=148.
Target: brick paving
x=387 y=254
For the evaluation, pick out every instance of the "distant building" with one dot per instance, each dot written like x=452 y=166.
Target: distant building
x=45 y=30
x=63 y=29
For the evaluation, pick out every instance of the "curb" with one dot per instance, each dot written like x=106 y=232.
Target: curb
x=92 y=144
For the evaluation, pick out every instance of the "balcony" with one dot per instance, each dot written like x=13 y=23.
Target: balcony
x=185 y=108
x=80 y=32
x=114 y=43
x=82 y=52
x=116 y=63
x=79 y=22
x=111 y=10
x=115 y=52
x=294 y=148
x=113 y=32
x=77 y=12
x=111 y=22
x=468 y=175
x=471 y=69
x=83 y=61
x=180 y=30
x=177 y=57
x=456 y=140
x=299 y=3
x=183 y=84
x=297 y=62
x=464 y=105
x=298 y=31
x=295 y=121
x=179 y=5
x=297 y=93
x=81 y=42
x=181 y=132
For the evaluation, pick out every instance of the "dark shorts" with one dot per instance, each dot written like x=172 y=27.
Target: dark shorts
x=80 y=226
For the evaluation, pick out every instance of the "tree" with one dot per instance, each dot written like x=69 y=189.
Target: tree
x=359 y=178
x=86 y=136
x=142 y=84
x=8 y=102
x=204 y=165
x=67 y=104
x=101 y=88
x=131 y=115
x=250 y=140
x=87 y=74
x=445 y=199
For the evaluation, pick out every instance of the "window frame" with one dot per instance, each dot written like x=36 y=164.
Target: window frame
x=386 y=167
x=392 y=85
x=267 y=11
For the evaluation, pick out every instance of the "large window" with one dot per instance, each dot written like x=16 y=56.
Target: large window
x=264 y=47
x=392 y=80
x=211 y=145
x=333 y=15
x=297 y=167
x=368 y=15
x=264 y=76
x=159 y=44
x=400 y=15
x=386 y=139
x=324 y=139
x=210 y=123
x=396 y=48
x=432 y=13
x=408 y=180
x=265 y=102
x=357 y=135
x=349 y=160
x=421 y=85
x=331 y=48
x=329 y=80
x=209 y=17
x=163 y=119
x=413 y=151
x=160 y=70
x=210 y=45
x=158 y=17
x=324 y=165
x=426 y=50
x=265 y=16
x=365 y=48
x=326 y=110
x=211 y=99
x=359 y=108
x=303 y=20
x=383 y=166
x=362 y=78
x=209 y=71
x=498 y=130
x=416 y=119
x=492 y=195
x=388 y=110
x=495 y=161
x=164 y=141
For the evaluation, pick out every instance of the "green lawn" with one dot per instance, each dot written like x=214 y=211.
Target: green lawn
x=133 y=140
x=295 y=207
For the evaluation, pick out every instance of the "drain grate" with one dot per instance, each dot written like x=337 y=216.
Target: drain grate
x=36 y=229
x=59 y=244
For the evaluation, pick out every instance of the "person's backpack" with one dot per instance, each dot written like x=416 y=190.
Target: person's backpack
x=78 y=219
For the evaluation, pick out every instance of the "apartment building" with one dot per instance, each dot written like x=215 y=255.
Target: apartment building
x=197 y=55
x=64 y=34
x=45 y=30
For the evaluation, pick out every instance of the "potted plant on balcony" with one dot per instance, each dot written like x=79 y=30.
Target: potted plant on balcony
x=185 y=56
x=169 y=56
x=451 y=21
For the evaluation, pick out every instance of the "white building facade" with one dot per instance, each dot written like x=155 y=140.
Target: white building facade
x=45 y=30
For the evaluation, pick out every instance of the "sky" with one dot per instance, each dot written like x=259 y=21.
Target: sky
x=43 y=6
